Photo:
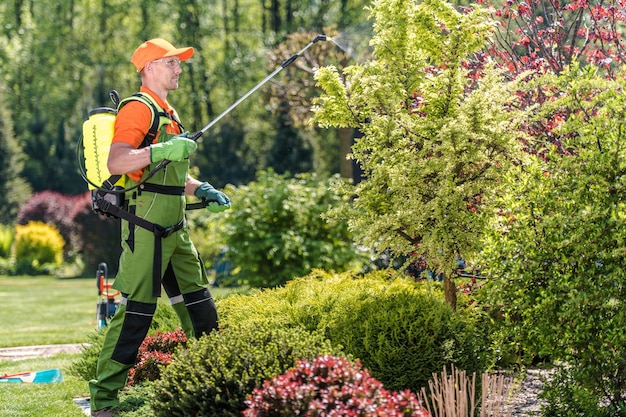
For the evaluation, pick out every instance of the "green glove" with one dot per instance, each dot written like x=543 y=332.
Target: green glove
x=218 y=201
x=176 y=149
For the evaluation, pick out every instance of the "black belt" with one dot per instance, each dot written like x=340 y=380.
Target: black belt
x=162 y=189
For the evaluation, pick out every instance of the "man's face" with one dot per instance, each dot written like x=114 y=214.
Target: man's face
x=166 y=72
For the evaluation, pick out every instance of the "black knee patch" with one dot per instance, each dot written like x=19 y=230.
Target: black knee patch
x=202 y=311
x=137 y=319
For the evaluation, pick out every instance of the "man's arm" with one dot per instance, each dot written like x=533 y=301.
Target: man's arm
x=191 y=185
x=123 y=158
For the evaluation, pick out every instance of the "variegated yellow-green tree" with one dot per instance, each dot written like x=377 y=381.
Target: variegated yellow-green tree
x=435 y=140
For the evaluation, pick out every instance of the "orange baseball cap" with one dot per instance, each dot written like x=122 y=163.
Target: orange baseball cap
x=158 y=48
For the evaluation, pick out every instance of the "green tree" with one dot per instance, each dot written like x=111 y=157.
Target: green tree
x=14 y=190
x=60 y=59
x=555 y=254
x=432 y=148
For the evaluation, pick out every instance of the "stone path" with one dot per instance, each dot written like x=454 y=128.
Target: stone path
x=27 y=352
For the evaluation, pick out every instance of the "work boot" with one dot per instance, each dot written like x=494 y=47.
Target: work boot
x=105 y=412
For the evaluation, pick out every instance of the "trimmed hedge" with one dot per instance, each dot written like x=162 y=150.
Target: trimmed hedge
x=402 y=331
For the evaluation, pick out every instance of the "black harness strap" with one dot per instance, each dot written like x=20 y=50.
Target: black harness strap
x=159 y=232
x=156 y=263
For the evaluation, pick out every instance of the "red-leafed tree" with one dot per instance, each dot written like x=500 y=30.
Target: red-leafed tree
x=540 y=36
x=548 y=35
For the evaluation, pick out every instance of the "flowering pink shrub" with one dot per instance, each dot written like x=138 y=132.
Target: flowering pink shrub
x=330 y=387
x=155 y=352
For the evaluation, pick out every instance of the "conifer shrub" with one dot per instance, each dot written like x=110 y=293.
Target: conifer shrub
x=329 y=386
x=85 y=365
x=38 y=247
x=214 y=374
x=402 y=331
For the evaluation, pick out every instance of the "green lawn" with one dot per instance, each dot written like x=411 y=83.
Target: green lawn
x=41 y=311
x=36 y=400
x=46 y=310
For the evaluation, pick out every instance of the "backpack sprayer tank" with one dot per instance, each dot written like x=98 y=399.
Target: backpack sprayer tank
x=97 y=136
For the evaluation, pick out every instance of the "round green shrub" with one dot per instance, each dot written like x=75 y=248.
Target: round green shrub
x=402 y=331
x=37 y=244
x=278 y=232
x=214 y=374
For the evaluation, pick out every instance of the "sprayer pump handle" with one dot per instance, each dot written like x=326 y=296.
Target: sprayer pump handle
x=115 y=98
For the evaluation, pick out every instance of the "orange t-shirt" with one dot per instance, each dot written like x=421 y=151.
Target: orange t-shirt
x=133 y=123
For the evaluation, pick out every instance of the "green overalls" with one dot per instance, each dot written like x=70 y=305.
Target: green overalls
x=150 y=259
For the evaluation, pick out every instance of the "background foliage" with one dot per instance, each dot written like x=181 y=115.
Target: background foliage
x=60 y=59
x=277 y=232
x=558 y=245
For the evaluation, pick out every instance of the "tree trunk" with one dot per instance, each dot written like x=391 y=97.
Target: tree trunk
x=449 y=288
x=345 y=147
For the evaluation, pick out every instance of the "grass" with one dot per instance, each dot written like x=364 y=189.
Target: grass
x=40 y=311
x=46 y=310
x=30 y=400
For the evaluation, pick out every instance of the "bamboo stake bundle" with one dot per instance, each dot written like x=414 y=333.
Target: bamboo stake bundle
x=496 y=393
x=454 y=395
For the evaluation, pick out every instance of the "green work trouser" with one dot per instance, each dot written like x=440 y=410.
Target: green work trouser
x=183 y=278
x=129 y=326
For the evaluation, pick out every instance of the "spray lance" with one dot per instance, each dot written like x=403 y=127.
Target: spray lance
x=285 y=64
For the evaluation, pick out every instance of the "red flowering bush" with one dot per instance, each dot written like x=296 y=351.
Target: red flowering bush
x=90 y=236
x=52 y=208
x=330 y=386
x=155 y=352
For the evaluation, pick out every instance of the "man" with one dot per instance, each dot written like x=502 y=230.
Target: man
x=152 y=258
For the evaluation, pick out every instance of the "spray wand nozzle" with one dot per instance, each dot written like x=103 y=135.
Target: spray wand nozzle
x=297 y=54
x=321 y=38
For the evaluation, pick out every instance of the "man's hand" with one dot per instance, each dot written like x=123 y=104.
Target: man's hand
x=218 y=200
x=176 y=149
